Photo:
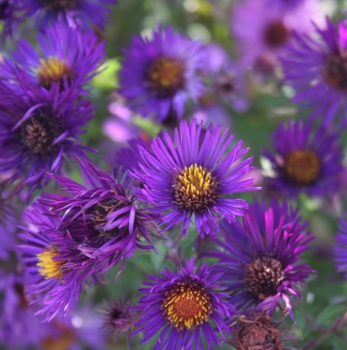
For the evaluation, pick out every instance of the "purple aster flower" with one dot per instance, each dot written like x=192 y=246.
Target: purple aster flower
x=180 y=305
x=192 y=177
x=39 y=128
x=259 y=257
x=316 y=68
x=103 y=221
x=76 y=13
x=262 y=31
x=119 y=318
x=8 y=230
x=306 y=160
x=67 y=56
x=50 y=281
x=159 y=75
x=341 y=246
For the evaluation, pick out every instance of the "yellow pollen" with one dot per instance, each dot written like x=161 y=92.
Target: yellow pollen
x=302 y=167
x=53 y=70
x=195 y=188
x=187 y=305
x=166 y=76
x=49 y=267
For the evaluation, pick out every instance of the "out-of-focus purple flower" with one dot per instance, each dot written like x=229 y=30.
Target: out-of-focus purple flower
x=316 y=68
x=39 y=128
x=305 y=160
x=341 y=246
x=104 y=222
x=76 y=13
x=10 y=16
x=119 y=318
x=258 y=258
x=67 y=56
x=120 y=128
x=159 y=75
x=262 y=31
x=180 y=306
x=8 y=230
x=19 y=327
x=188 y=175
x=50 y=281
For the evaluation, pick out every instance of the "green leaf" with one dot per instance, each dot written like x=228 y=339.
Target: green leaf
x=330 y=313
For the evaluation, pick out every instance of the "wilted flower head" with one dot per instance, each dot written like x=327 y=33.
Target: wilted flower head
x=103 y=221
x=66 y=57
x=76 y=13
x=39 y=129
x=189 y=176
x=305 y=161
x=180 y=306
x=316 y=68
x=158 y=76
x=256 y=331
x=258 y=258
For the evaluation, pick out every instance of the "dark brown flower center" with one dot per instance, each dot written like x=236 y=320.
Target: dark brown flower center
x=3 y=8
x=187 y=304
x=59 y=5
x=99 y=218
x=195 y=189
x=302 y=167
x=39 y=132
x=335 y=71
x=263 y=276
x=257 y=333
x=166 y=76
x=19 y=289
x=54 y=70
x=276 y=34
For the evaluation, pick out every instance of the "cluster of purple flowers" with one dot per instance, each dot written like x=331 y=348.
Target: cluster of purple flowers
x=61 y=233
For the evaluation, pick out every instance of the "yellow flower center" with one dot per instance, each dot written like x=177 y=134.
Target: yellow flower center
x=166 y=76
x=50 y=267
x=187 y=304
x=53 y=70
x=302 y=167
x=195 y=188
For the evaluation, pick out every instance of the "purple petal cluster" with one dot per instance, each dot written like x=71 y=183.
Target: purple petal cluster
x=315 y=66
x=83 y=14
x=158 y=76
x=306 y=160
x=188 y=176
x=103 y=221
x=259 y=257
x=39 y=130
x=66 y=57
x=180 y=306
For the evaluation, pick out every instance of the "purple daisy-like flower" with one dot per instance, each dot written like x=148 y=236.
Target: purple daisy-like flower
x=50 y=281
x=103 y=221
x=258 y=257
x=158 y=76
x=181 y=306
x=68 y=57
x=306 y=160
x=39 y=128
x=76 y=13
x=316 y=68
x=262 y=32
x=193 y=177
x=341 y=246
